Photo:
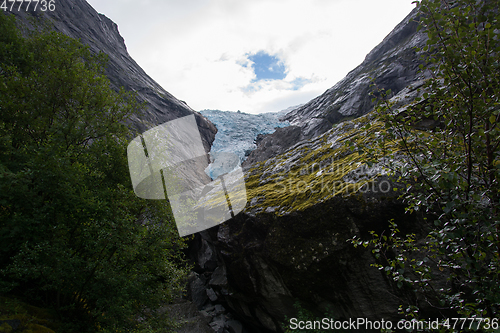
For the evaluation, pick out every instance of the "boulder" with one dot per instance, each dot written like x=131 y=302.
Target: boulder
x=211 y=295
x=234 y=326
x=197 y=289
x=218 y=324
x=219 y=278
x=207 y=258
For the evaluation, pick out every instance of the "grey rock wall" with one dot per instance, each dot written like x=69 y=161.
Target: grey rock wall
x=77 y=19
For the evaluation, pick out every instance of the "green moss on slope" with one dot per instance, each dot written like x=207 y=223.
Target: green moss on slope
x=316 y=171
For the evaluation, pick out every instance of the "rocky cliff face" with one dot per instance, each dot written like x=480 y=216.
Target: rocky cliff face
x=291 y=243
x=393 y=64
x=309 y=193
x=77 y=19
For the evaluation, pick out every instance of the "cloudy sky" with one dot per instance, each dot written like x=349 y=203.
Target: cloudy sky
x=251 y=55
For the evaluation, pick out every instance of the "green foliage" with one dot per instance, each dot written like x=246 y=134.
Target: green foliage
x=74 y=236
x=449 y=156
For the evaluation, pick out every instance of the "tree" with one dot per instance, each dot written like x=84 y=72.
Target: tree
x=452 y=168
x=74 y=236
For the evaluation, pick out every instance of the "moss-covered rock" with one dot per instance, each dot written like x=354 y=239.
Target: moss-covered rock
x=315 y=171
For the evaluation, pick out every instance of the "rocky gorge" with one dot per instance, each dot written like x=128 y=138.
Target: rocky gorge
x=308 y=193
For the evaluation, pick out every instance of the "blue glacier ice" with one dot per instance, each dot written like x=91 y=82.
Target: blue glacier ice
x=237 y=132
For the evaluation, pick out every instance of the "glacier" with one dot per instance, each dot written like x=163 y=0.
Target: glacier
x=237 y=131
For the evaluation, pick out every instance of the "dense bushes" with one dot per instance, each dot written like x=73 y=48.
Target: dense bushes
x=73 y=235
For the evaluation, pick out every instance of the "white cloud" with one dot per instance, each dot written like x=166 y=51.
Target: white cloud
x=196 y=49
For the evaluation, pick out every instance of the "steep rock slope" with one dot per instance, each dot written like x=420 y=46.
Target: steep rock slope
x=393 y=64
x=308 y=194
x=77 y=19
x=292 y=241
